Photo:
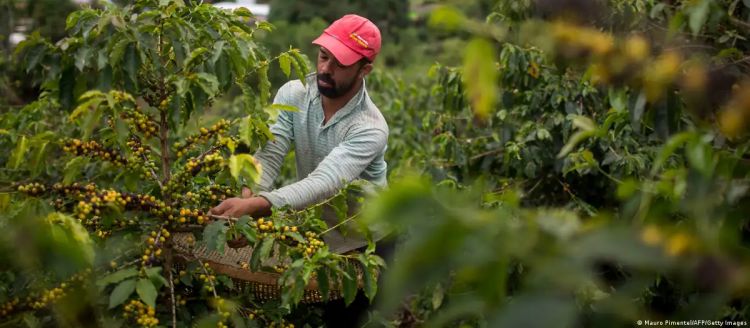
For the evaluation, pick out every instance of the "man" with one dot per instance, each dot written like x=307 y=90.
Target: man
x=339 y=134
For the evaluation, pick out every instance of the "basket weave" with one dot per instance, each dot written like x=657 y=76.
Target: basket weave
x=264 y=285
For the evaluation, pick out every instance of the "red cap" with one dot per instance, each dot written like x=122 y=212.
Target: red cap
x=350 y=38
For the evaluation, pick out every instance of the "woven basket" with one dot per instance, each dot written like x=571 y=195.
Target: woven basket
x=262 y=284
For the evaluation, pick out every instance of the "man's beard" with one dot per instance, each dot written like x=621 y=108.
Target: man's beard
x=334 y=91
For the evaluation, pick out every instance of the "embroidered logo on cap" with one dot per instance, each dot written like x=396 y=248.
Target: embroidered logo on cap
x=362 y=42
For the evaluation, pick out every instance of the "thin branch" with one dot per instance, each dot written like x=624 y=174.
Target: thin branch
x=213 y=287
x=220 y=217
x=339 y=224
x=171 y=293
x=163 y=137
x=205 y=153
x=153 y=173
x=491 y=152
x=738 y=23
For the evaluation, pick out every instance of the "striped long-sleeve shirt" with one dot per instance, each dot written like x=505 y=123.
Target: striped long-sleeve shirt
x=351 y=145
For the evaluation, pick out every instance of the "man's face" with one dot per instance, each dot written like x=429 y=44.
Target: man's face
x=334 y=79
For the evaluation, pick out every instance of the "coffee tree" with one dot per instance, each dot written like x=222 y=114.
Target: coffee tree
x=591 y=170
x=120 y=153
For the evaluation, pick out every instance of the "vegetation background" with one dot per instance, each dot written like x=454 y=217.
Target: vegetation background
x=582 y=159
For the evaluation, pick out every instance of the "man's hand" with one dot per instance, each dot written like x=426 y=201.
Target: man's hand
x=246 y=192
x=237 y=207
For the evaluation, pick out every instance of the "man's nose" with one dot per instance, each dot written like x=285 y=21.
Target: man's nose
x=325 y=67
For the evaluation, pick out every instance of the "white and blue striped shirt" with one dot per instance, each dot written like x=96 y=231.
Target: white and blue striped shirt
x=351 y=145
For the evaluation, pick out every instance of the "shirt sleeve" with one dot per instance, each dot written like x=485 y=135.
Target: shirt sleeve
x=342 y=165
x=271 y=156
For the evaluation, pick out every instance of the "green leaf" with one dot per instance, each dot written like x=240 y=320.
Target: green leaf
x=82 y=58
x=285 y=63
x=618 y=99
x=118 y=22
x=121 y=293
x=301 y=66
x=18 y=154
x=154 y=273
x=90 y=122
x=208 y=83
x=131 y=62
x=263 y=25
x=260 y=252
x=218 y=50
x=73 y=19
x=350 y=283
x=147 y=292
x=669 y=148
x=480 y=76
x=91 y=94
x=371 y=284
x=246 y=130
x=446 y=17
x=243 y=12
x=700 y=156
x=67 y=83
x=223 y=72
x=118 y=51
x=31 y=321
x=4 y=201
x=295 y=235
x=323 y=283
x=574 y=140
x=584 y=123
x=273 y=110
x=195 y=55
x=117 y=276
x=182 y=85
x=249 y=233
x=243 y=166
x=85 y=107
x=340 y=206
x=699 y=15
x=215 y=235
x=73 y=169
x=265 y=249
x=438 y=293
x=264 y=85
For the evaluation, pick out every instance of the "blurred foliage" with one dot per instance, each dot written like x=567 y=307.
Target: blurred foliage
x=46 y=17
x=606 y=181
x=584 y=160
x=115 y=158
x=387 y=15
x=406 y=40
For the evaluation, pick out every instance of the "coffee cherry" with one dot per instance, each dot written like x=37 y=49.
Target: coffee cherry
x=94 y=150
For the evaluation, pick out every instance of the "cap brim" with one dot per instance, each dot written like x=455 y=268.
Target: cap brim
x=345 y=55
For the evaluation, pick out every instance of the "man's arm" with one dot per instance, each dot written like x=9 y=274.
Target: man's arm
x=271 y=156
x=342 y=165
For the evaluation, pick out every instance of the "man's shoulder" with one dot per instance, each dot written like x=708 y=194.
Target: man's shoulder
x=294 y=91
x=372 y=117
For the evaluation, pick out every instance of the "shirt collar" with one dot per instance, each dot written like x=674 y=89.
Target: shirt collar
x=352 y=105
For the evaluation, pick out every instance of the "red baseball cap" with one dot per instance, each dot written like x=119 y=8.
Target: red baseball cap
x=350 y=38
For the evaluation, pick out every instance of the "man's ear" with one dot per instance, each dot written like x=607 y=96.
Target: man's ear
x=365 y=70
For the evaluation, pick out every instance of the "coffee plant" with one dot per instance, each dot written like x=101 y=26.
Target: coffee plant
x=587 y=165
x=574 y=171
x=119 y=154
